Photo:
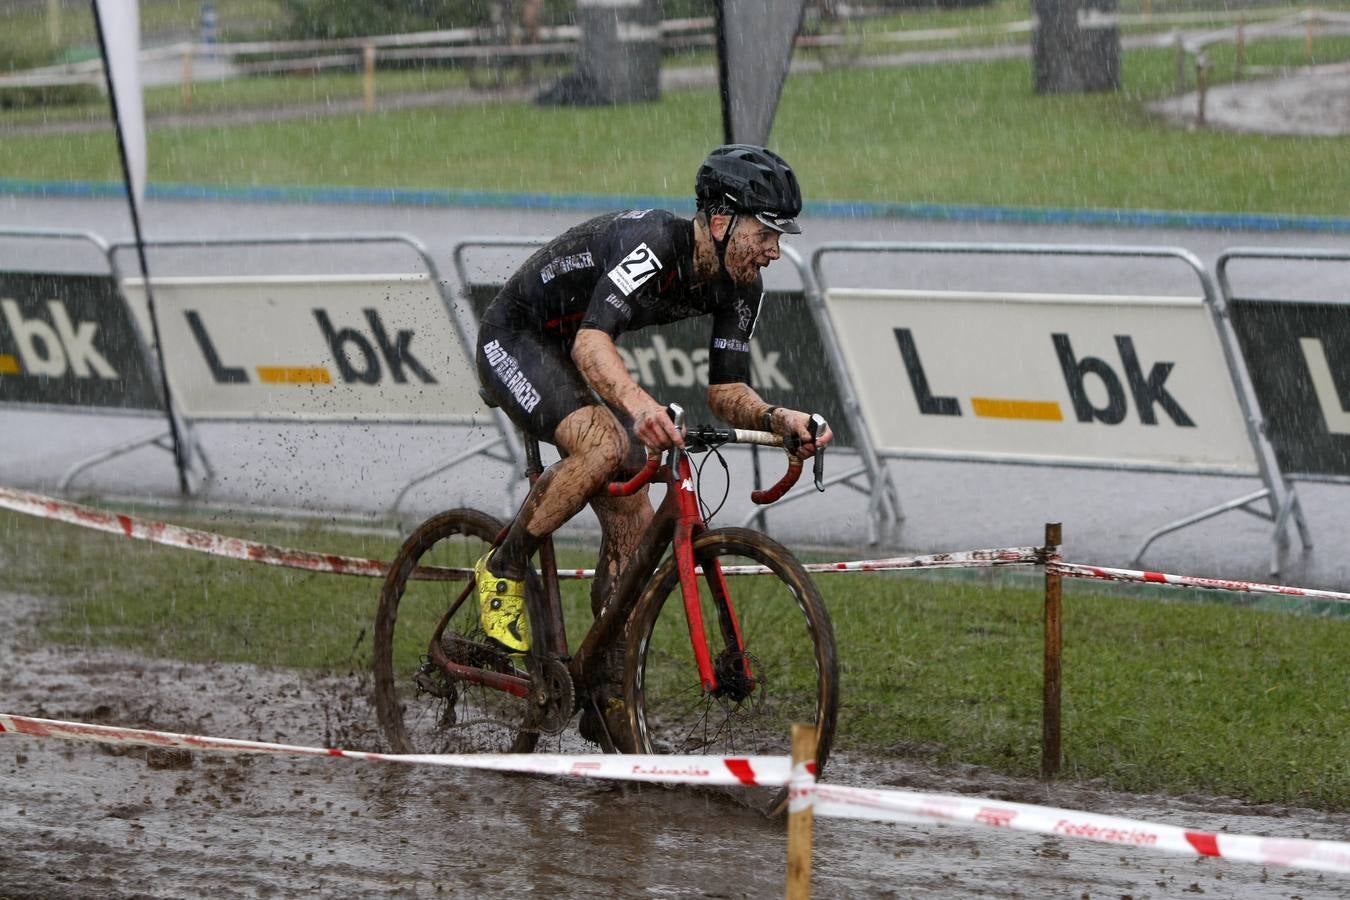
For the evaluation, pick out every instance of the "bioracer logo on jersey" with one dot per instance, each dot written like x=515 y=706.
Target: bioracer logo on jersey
x=634 y=269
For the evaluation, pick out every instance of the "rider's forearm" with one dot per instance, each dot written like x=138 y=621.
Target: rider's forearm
x=738 y=405
x=598 y=361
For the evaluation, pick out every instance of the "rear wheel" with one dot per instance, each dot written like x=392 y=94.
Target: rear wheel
x=422 y=709
x=787 y=674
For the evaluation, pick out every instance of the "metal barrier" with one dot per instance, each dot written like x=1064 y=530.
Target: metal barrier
x=883 y=506
x=134 y=392
x=1279 y=495
x=505 y=438
x=1294 y=348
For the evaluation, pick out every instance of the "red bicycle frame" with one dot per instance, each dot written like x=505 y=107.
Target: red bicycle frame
x=678 y=520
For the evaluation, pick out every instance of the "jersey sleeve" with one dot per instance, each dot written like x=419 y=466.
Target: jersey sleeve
x=638 y=253
x=733 y=326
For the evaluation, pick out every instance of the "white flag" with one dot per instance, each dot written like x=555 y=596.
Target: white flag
x=121 y=29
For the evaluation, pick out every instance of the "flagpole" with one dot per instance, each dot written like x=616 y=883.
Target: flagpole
x=179 y=456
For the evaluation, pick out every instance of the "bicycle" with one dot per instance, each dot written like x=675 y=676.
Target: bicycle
x=726 y=678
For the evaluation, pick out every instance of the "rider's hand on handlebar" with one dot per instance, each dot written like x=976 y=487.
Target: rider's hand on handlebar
x=654 y=429
x=791 y=421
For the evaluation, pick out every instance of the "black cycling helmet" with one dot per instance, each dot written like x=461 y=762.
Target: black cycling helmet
x=743 y=178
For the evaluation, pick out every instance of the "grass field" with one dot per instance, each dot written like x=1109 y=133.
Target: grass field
x=1159 y=694
x=955 y=133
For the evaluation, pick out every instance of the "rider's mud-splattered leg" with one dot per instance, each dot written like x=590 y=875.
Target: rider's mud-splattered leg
x=593 y=444
x=623 y=520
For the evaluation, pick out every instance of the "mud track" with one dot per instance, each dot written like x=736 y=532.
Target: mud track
x=81 y=820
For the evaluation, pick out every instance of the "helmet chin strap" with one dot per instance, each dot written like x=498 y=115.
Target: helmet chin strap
x=721 y=246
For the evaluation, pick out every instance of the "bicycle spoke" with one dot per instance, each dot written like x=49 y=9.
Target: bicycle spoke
x=422 y=707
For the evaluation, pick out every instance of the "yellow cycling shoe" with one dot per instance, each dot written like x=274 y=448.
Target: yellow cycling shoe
x=501 y=610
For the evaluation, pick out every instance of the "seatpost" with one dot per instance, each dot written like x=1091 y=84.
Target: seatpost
x=534 y=463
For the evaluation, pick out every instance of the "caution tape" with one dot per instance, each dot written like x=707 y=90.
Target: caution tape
x=732 y=771
x=252 y=551
x=1102 y=573
x=186 y=538
x=826 y=800
x=912 y=807
x=966 y=559
x=268 y=554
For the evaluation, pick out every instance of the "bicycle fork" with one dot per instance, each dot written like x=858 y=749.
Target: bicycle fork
x=715 y=679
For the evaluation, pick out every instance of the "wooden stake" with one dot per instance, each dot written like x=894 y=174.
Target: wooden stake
x=368 y=76
x=1240 y=48
x=1181 y=64
x=800 y=822
x=1201 y=87
x=1054 y=642
x=187 y=75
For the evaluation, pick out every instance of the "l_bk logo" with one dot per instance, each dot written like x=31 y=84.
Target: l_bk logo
x=358 y=355
x=1149 y=392
x=54 y=348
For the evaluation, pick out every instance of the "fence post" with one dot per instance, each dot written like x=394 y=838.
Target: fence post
x=800 y=815
x=187 y=75
x=1054 y=643
x=368 y=76
x=1240 y=48
x=1201 y=87
x=1181 y=63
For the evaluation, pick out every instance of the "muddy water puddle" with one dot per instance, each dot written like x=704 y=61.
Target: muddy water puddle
x=88 y=821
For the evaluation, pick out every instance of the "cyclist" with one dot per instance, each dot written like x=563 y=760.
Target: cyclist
x=546 y=355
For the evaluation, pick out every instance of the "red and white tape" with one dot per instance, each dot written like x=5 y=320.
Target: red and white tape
x=966 y=559
x=186 y=538
x=911 y=807
x=252 y=551
x=1101 y=573
x=733 y=771
x=827 y=800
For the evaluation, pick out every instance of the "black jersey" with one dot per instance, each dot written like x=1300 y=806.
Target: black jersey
x=623 y=271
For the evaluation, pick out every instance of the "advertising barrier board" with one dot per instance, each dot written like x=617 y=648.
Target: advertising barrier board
x=332 y=348
x=1121 y=381
x=69 y=341
x=1298 y=355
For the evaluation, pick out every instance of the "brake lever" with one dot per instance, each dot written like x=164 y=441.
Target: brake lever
x=817 y=426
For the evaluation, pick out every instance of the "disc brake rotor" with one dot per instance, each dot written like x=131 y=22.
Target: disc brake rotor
x=552 y=696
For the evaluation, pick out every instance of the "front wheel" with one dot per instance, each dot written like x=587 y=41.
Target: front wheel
x=787 y=673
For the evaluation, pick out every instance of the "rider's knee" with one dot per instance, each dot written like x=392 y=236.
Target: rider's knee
x=632 y=458
x=594 y=433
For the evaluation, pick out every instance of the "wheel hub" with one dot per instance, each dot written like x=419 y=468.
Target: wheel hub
x=732 y=682
x=552 y=696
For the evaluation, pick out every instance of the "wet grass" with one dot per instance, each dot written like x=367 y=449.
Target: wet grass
x=965 y=134
x=25 y=24
x=1161 y=692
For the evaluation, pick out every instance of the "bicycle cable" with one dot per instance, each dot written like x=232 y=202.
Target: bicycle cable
x=698 y=483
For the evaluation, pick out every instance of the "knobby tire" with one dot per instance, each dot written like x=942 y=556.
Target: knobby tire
x=787 y=636
x=473 y=718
